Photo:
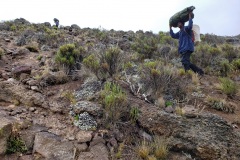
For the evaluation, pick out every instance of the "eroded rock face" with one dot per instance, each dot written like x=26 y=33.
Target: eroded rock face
x=5 y=132
x=50 y=146
x=205 y=137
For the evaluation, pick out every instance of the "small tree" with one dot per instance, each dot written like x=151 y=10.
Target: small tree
x=112 y=58
x=69 y=57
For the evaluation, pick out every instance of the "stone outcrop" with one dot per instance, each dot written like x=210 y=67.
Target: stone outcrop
x=50 y=146
x=204 y=136
x=97 y=151
x=17 y=71
x=13 y=91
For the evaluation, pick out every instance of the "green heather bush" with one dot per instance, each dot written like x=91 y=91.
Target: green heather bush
x=205 y=55
x=228 y=86
x=92 y=63
x=236 y=64
x=104 y=64
x=114 y=101
x=158 y=77
x=229 y=52
x=69 y=57
x=102 y=36
x=167 y=39
x=146 y=46
x=113 y=58
x=225 y=68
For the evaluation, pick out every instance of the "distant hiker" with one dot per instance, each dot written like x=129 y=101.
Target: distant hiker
x=186 y=45
x=56 y=21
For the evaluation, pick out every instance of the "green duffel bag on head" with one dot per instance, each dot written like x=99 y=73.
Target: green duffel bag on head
x=181 y=16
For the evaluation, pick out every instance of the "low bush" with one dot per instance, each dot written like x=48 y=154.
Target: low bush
x=236 y=64
x=230 y=52
x=104 y=64
x=114 y=101
x=158 y=149
x=158 y=77
x=228 y=86
x=145 y=45
x=15 y=144
x=69 y=57
x=134 y=114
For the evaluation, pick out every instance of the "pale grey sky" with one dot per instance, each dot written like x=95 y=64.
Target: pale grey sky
x=220 y=17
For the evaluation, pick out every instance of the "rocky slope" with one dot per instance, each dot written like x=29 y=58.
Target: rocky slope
x=48 y=114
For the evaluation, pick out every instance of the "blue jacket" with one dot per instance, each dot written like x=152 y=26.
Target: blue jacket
x=185 y=38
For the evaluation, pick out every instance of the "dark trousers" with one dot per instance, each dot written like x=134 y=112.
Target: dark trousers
x=188 y=65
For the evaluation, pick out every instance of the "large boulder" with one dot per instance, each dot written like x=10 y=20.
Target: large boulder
x=88 y=90
x=50 y=146
x=86 y=106
x=5 y=132
x=28 y=135
x=17 y=71
x=205 y=136
x=13 y=91
x=97 y=150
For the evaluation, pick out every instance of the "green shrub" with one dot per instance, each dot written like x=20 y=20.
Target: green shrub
x=69 y=57
x=229 y=52
x=236 y=64
x=39 y=57
x=168 y=103
x=157 y=77
x=114 y=101
x=134 y=114
x=146 y=46
x=167 y=39
x=228 y=86
x=112 y=58
x=225 y=68
x=15 y=144
x=92 y=63
x=214 y=51
x=13 y=28
x=1 y=52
